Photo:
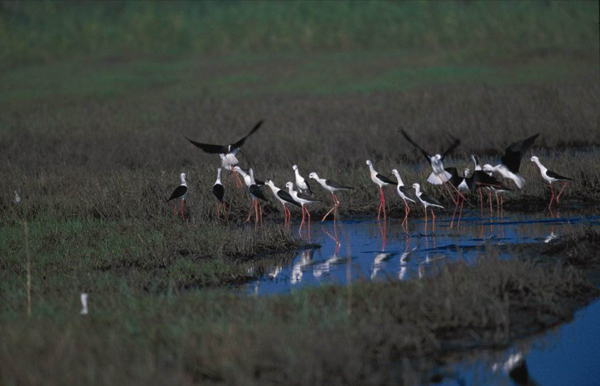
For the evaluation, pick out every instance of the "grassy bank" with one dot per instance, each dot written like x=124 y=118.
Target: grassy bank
x=44 y=32
x=368 y=333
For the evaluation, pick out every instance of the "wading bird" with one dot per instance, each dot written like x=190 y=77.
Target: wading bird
x=404 y=194
x=381 y=181
x=511 y=161
x=284 y=198
x=427 y=201
x=301 y=183
x=180 y=192
x=439 y=176
x=332 y=187
x=550 y=177
x=255 y=194
x=219 y=192
x=481 y=179
x=227 y=152
x=304 y=200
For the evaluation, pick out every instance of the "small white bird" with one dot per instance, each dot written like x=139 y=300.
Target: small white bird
x=404 y=194
x=301 y=183
x=551 y=177
x=17 y=200
x=180 y=193
x=427 y=201
x=84 y=303
x=304 y=200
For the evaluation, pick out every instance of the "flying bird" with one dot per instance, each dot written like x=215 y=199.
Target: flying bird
x=511 y=161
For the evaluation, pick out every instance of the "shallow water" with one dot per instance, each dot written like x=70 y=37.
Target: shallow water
x=371 y=250
x=567 y=355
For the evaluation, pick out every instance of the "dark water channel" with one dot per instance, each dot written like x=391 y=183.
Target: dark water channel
x=368 y=250
x=371 y=250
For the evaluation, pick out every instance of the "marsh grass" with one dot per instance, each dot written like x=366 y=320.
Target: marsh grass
x=381 y=334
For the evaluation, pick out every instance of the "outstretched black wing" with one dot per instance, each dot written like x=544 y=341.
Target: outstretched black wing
x=453 y=146
x=209 y=148
x=415 y=145
x=241 y=141
x=513 y=154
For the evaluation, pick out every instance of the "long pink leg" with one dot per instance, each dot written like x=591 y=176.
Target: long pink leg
x=433 y=221
x=559 y=193
x=481 y=201
x=383 y=204
x=335 y=205
x=225 y=213
x=551 y=197
x=174 y=210
x=425 y=219
x=490 y=199
x=251 y=209
x=218 y=211
x=260 y=215
x=182 y=209
x=379 y=207
x=302 y=222
x=255 y=215
x=238 y=182
x=308 y=222
x=448 y=190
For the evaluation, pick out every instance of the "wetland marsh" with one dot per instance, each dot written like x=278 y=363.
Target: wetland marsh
x=92 y=125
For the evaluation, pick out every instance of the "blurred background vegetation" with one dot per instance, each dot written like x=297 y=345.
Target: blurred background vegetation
x=38 y=32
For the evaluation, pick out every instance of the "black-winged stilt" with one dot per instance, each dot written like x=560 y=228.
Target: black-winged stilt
x=481 y=179
x=226 y=152
x=511 y=161
x=284 y=198
x=404 y=194
x=255 y=194
x=460 y=184
x=381 y=181
x=180 y=192
x=301 y=183
x=219 y=192
x=550 y=177
x=427 y=201
x=304 y=200
x=332 y=187
x=439 y=176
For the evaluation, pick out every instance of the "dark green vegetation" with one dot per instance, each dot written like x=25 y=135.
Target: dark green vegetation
x=91 y=137
x=33 y=32
x=364 y=334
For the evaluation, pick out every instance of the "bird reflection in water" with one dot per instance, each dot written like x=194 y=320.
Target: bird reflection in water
x=306 y=259
x=516 y=368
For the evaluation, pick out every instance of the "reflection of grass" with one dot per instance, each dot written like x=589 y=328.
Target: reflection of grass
x=328 y=335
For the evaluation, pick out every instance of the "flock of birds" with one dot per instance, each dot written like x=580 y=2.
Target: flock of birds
x=482 y=178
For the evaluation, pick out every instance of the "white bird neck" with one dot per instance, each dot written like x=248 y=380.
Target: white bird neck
x=400 y=182
x=183 y=182
x=539 y=164
x=218 y=181
x=418 y=190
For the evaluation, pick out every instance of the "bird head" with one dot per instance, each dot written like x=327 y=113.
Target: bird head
x=415 y=186
x=295 y=167
x=289 y=185
x=467 y=171
x=395 y=172
x=534 y=159
x=369 y=163
x=488 y=168
x=313 y=175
